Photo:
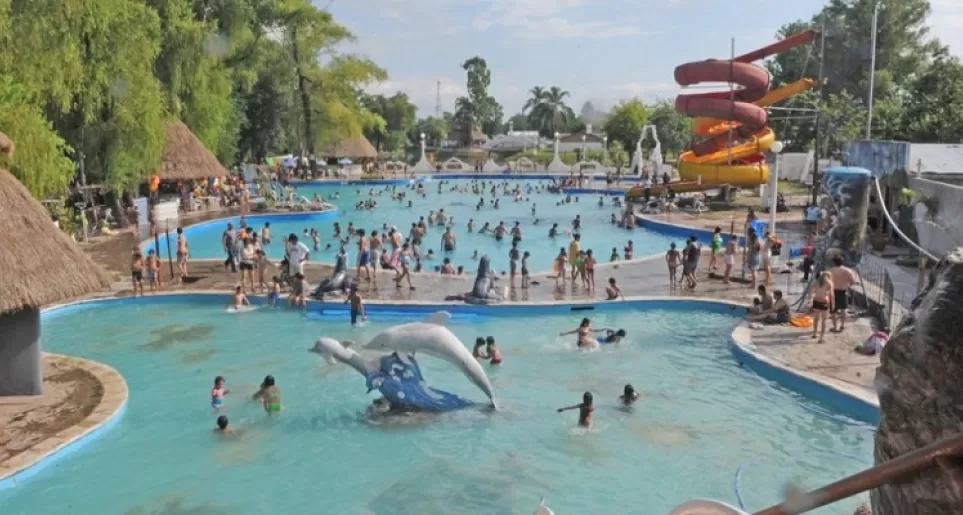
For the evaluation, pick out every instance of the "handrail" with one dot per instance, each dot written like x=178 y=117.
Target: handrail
x=938 y=455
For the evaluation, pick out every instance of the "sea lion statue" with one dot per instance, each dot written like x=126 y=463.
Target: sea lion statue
x=338 y=281
x=484 y=291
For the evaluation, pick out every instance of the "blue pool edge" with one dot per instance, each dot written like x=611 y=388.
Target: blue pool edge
x=846 y=400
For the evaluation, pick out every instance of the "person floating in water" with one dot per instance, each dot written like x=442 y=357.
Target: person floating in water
x=612 y=336
x=218 y=392
x=585 y=410
x=269 y=395
x=357 y=306
x=629 y=395
x=223 y=427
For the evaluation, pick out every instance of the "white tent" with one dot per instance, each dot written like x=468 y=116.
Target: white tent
x=492 y=167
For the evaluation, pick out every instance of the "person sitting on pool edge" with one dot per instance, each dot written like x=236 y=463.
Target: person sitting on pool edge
x=269 y=395
x=585 y=410
x=629 y=395
x=776 y=313
x=612 y=291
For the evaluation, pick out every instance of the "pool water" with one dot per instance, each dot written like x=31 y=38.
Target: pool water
x=701 y=417
x=598 y=233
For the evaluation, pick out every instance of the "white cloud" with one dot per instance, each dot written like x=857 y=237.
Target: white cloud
x=555 y=19
x=423 y=91
x=947 y=23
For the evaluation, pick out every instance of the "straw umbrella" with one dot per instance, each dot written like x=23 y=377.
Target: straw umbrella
x=40 y=265
x=186 y=158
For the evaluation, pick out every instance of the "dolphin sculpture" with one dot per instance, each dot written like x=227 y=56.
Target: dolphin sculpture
x=543 y=509
x=397 y=377
x=433 y=338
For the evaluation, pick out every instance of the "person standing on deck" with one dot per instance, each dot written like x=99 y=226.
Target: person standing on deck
x=182 y=253
x=229 y=242
x=843 y=279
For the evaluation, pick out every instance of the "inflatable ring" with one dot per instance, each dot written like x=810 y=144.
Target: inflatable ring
x=801 y=321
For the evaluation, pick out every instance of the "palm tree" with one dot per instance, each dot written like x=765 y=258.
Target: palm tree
x=538 y=94
x=551 y=113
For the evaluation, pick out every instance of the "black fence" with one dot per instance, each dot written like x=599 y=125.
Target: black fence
x=877 y=296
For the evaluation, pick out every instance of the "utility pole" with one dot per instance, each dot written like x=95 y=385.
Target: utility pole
x=438 y=99
x=819 y=106
x=872 y=75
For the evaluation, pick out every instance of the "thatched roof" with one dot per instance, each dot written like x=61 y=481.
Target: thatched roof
x=185 y=157
x=6 y=145
x=40 y=264
x=354 y=148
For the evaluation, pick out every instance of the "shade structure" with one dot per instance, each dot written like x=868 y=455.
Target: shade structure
x=39 y=265
x=186 y=158
x=353 y=148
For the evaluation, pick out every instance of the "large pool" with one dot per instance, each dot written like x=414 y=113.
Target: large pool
x=598 y=233
x=701 y=417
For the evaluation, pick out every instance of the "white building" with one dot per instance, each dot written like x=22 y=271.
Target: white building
x=581 y=140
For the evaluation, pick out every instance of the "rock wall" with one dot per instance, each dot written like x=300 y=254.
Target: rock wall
x=920 y=386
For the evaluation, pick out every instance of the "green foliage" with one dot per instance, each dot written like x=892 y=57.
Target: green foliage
x=40 y=162
x=626 y=122
x=399 y=115
x=435 y=130
x=479 y=108
x=674 y=129
x=519 y=122
x=548 y=112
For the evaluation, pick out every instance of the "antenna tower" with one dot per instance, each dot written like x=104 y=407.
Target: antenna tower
x=438 y=99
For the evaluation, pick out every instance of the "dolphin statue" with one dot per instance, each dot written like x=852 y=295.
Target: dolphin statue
x=334 y=352
x=433 y=338
x=543 y=509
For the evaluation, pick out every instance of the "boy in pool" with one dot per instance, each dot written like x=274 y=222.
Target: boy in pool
x=585 y=410
x=629 y=395
x=222 y=427
x=269 y=395
x=218 y=392
x=357 y=306
x=494 y=353
x=274 y=296
x=612 y=336
x=476 y=351
x=239 y=299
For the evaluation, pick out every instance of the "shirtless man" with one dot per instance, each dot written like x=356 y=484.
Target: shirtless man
x=843 y=278
x=182 y=253
x=364 y=255
x=448 y=241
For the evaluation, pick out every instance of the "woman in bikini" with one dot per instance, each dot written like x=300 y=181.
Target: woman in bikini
x=822 y=304
x=729 y=258
x=584 y=331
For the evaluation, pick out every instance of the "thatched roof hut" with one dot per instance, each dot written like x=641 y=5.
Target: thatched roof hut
x=186 y=158
x=41 y=264
x=6 y=145
x=353 y=148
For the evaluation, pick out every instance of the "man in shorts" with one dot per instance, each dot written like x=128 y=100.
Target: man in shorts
x=843 y=279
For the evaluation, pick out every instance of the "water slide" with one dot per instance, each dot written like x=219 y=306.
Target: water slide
x=717 y=157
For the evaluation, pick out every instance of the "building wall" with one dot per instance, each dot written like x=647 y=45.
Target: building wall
x=879 y=157
x=21 y=366
x=945 y=231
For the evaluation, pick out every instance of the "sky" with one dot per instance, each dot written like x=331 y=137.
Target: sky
x=601 y=51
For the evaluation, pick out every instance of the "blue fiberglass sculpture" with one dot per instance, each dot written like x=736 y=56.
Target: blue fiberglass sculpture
x=400 y=380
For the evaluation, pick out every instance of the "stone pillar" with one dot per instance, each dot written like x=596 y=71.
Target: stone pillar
x=21 y=363
x=920 y=380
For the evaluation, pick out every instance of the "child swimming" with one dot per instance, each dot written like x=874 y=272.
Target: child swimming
x=612 y=336
x=239 y=299
x=494 y=353
x=275 y=294
x=629 y=395
x=357 y=306
x=222 y=426
x=269 y=394
x=476 y=351
x=218 y=392
x=585 y=410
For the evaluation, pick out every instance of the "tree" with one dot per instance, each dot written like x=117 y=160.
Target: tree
x=626 y=122
x=674 y=129
x=479 y=108
x=933 y=110
x=550 y=114
x=41 y=162
x=399 y=115
x=518 y=122
x=435 y=130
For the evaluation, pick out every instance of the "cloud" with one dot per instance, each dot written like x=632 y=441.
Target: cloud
x=946 y=22
x=423 y=91
x=556 y=19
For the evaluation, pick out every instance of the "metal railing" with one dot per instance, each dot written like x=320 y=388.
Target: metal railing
x=943 y=455
x=877 y=295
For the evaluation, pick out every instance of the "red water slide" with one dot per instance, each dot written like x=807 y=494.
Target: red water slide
x=754 y=82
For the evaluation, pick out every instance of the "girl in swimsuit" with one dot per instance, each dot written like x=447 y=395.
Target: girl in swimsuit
x=269 y=395
x=589 y=263
x=218 y=392
x=584 y=331
x=494 y=353
x=404 y=268
x=822 y=304
x=673 y=258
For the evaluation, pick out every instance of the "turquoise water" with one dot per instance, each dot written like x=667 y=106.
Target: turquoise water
x=701 y=417
x=598 y=233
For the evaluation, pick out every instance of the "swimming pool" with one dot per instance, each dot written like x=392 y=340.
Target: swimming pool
x=701 y=417
x=598 y=233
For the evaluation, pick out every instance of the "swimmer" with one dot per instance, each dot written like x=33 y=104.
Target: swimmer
x=448 y=241
x=275 y=294
x=485 y=229
x=474 y=255
x=584 y=331
x=218 y=392
x=494 y=353
x=239 y=299
x=612 y=336
x=222 y=427
x=629 y=395
x=471 y=225
x=500 y=231
x=533 y=209
x=585 y=410
x=476 y=351
x=269 y=394
x=553 y=232
x=430 y=255
x=602 y=202
x=577 y=223
x=615 y=255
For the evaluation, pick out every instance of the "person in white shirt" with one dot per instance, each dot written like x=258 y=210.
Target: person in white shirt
x=298 y=254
